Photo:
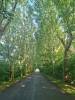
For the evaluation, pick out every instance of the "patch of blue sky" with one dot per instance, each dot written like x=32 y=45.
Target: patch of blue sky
x=31 y=2
x=35 y=23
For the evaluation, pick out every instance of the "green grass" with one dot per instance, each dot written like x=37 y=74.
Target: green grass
x=63 y=86
x=5 y=84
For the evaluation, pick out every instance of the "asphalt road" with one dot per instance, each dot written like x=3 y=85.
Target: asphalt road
x=35 y=87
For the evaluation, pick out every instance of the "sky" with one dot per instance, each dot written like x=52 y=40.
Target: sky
x=31 y=3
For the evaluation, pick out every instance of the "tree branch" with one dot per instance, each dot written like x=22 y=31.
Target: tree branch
x=61 y=39
x=14 y=7
x=2 y=29
x=69 y=41
x=9 y=20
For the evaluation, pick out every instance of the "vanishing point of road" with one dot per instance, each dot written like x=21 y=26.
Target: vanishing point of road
x=35 y=87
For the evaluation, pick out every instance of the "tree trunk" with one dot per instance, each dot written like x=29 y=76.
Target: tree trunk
x=65 y=64
x=66 y=44
x=9 y=72
x=12 y=73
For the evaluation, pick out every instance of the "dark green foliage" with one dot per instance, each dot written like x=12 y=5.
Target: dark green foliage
x=71 y=67
x=58 y=70
x=17 y=72
x=4 y=71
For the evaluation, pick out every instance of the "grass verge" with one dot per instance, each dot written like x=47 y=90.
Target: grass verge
x=63 y=86
x=5 y=85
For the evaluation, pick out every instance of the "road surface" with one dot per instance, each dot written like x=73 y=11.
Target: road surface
x=35 y=87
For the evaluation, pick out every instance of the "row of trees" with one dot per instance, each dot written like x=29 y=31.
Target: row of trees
x=55 y=37
x=37 y=33
x=17 y=45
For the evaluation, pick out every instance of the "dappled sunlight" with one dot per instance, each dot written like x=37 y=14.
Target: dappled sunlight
x=37 y=38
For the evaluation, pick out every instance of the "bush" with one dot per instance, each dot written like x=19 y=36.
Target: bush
x=4 y=71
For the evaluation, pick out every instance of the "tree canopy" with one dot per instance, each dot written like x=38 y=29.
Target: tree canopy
x=37 y=33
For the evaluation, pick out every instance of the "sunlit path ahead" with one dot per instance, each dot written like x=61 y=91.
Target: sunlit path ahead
x=35 y=87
